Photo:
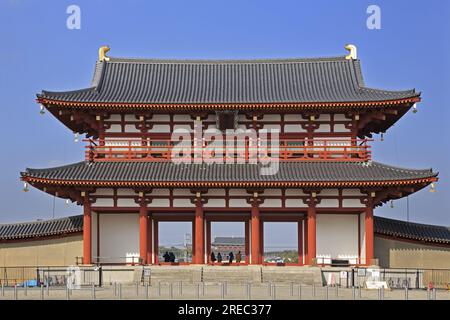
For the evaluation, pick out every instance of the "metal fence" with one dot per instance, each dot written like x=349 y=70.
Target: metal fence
x=215 y=291
x=396 y=278
x=49 y=276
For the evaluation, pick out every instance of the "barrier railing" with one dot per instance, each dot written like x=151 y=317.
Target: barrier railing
x=52 y=275
x=245 y=150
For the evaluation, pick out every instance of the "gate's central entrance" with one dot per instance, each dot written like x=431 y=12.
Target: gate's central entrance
x=227 y=242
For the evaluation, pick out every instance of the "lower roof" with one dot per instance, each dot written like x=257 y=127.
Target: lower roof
x=74 y=224
x=39 y=229
x=290 y=174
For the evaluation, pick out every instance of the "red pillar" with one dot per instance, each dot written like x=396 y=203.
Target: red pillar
x=305 y=237
x=143 y=232
x=261 y=242
x=208 y=241
x=87 y=243
x=300 y=242
x=369 y=233
x=255 y=234
x=199 y=233
x=247 y=241
x=311 y=232
x=149 y=238
x=155 y=241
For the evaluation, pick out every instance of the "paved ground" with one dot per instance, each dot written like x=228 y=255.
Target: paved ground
x=215 y=291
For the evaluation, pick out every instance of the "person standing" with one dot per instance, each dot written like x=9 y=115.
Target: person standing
x=238 y=257
x=219 y=257
x=166 y=257
x=231 y=257
x=213 y=257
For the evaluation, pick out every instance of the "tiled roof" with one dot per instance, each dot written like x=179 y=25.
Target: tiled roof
x=38 y=229
x=412 y=231
x=166 y=171
x=228 y=241
x=314 y=80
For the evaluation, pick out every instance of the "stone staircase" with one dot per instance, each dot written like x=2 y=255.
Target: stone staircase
x=304 y=275
x=231 y=274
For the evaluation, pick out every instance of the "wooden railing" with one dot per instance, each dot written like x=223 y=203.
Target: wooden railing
x=246 y=150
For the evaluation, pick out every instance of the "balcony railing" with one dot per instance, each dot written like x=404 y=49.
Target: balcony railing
x=245 y=150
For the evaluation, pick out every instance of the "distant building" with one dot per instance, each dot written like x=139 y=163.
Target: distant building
x=225 y=245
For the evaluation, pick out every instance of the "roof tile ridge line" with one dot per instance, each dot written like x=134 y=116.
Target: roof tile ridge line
x=29 y=170
x=413 y=223
x=226 y=61
x=397 y=168
x=358 y=73
x=61 y=93
x=357 y=69
x=40 y=221
x=101 y=68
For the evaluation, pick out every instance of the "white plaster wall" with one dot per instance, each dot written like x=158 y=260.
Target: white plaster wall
x=236 y=203
x=182 y=117
x=103 y=203
x=216 y=192
x=328 y=203
x=329 y=192
x=337 y=237
x=294 y=128
x=115 y=117
x=182 y=192
x=127 y=203
x=352 y=192
x=131 y=128
x=272 y=117
x=183 y=203
x=271 y=203
x=238 y=192
x=130 y=117
x=126 y=192
x=104 y=192
x=272 y=192
x=340 y=117
x=295 y=203
x=160 y=192
x=293 y=117
x=160 y=128
x=324 y=117
x=339 y=127
x=119 y=236
x=114 y=128
x=159 y=203
x=295 y=192
x=352 y=203
x=323 y=128
x=215 y=203
x=160 y=117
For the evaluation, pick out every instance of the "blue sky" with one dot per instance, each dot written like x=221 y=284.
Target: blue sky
x=39 y=52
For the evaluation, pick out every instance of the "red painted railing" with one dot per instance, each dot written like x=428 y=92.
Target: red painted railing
x=246 y=150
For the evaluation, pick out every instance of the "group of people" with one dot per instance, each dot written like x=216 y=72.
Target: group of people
x=169 y=257
x=230 y=257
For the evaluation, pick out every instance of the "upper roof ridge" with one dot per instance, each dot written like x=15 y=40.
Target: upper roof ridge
x=228 y=61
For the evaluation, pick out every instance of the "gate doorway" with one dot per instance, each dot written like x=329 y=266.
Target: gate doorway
x=225 y=237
